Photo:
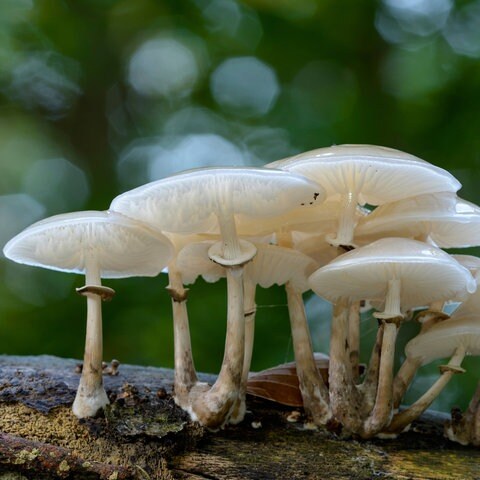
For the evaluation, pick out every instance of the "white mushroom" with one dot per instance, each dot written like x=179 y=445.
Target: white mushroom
x=99 y=245
x=454 y=338
x=271 y=265
x=189 y=203
x=449 y=221
x=405 y=273
x=367 y=174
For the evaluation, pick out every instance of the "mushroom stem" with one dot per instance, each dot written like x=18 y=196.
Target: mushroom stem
x=370 y=382
x=409 y=368
x=185 y=374
x=346 y=222
x=392 y=301
x=354 y=338
x=383 y=409
x=313 y=389
x=401 y=420
x=344 y=396
x=228 y=229
x=250 y=309
x=403 y=379
x=214 y=407
x=91 y=395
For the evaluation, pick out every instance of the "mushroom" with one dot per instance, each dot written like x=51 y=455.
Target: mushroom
x=454 y=338
x=404 y=273
x=447 y=220
x=191 y=202
x=366 y=174
x=470 y=305
x=271 y=265
x=99 y=245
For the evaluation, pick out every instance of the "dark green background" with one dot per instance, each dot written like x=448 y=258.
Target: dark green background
x=76 y=130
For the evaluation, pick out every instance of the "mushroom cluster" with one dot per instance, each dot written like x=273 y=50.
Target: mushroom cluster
x=353 y=223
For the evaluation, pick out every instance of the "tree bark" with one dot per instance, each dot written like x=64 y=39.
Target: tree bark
x=144 y=435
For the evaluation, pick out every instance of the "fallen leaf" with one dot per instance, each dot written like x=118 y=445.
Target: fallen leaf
x=280 y=384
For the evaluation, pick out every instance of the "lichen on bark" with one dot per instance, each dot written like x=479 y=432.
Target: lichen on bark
x=144 y=435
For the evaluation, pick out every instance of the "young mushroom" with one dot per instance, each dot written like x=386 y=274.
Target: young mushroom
x=454 y=338
x=99 y=245
x=402 y=272
x=361 y=174
x=191 y=202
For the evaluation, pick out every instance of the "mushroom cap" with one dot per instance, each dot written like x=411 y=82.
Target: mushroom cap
x=426 y=273
x=120 y=247
x=193 y=261
x=378 y=174
x=315 y=246
x=279 y=265
x=323 y=217
x=470 y=302
x=447 y=219
x=469 y=261
x=271 y=265
x=442 y=339
x=187 y=202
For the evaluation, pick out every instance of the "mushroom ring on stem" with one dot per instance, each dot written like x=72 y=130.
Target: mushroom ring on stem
x=99 y=245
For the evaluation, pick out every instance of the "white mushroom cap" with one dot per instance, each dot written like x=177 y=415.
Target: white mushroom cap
x=187 y=202
x=120 y=246
x=448 y=220
x=377 y=174
x=443 y=338
x=427 y=274
x=279 y=265
x=320 y=218
x=315 y=246
x=470 y=302
x=468 y=261
x=193 y=261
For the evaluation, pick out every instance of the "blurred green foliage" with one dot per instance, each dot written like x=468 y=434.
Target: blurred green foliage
x=99 y=96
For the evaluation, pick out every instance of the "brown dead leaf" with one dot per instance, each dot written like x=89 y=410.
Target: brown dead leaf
x=280 y=384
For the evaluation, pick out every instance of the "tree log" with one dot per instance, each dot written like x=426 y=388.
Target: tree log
x=144 y=435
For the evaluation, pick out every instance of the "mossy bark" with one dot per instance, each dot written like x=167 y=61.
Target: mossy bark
x=143 y=435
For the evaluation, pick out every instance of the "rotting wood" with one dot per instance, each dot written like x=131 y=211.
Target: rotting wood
x=145 y=436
